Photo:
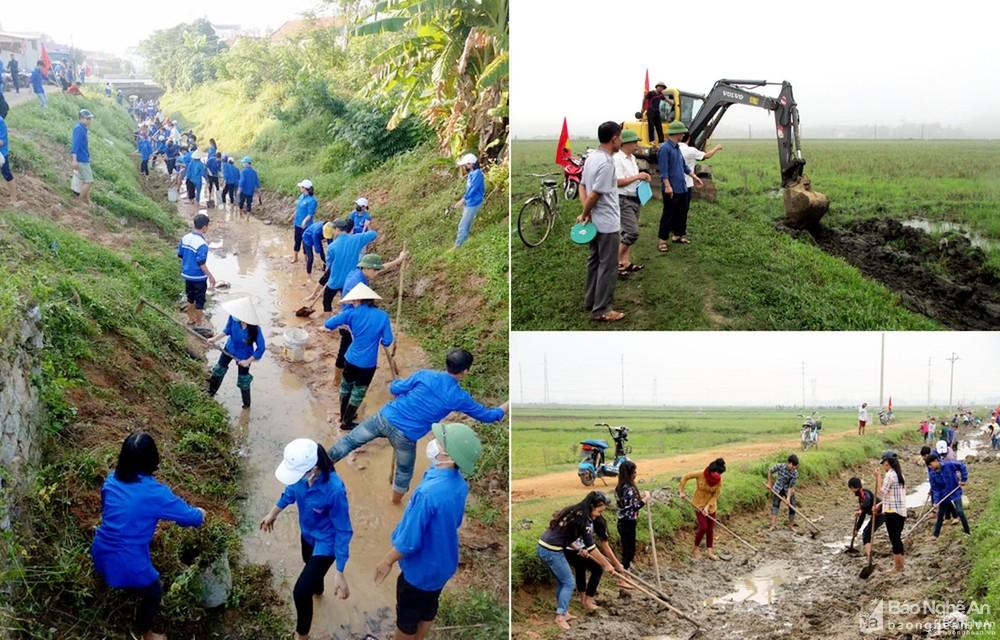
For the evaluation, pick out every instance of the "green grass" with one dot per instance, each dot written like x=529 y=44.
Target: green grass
x=984 y=579
x=741 y=272
x=546 y=439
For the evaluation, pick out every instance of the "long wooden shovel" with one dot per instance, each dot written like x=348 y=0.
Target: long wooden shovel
x=399 y=298
x=652 y=541
x=395 y=375
x=816 y=530
x=644 y=587
x=851 y=548
x=731 y=532
x=929 y=511
x=146 y=303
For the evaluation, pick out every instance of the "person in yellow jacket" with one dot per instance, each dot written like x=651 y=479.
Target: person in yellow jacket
x=706 y=499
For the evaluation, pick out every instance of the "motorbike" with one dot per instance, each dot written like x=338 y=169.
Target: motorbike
x=572 y=172
x=809 y=430
x=885 y=417
x=593 y=464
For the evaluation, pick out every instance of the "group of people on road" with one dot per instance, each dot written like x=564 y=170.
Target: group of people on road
x=611 y=199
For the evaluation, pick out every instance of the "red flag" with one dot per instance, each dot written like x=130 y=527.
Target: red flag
x=562 y=148
x=46 y=60
x=645 y=87
x=890 y=403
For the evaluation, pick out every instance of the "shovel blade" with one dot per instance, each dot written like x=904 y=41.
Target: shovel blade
x=867 y=572
x=304 y=312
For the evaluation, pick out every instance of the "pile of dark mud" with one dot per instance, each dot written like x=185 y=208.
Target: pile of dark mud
x=945 y=278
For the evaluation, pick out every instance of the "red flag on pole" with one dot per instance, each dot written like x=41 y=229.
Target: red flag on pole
x=46 y=60
x=562 y=149
x=645 y=87
x=890 y=404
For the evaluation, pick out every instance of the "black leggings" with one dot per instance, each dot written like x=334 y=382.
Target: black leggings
x=328 y=296
x=149 y=605
x=309 y=584
x=581 y=566
x=230 y=190
x=626 y=531
x=144 y=167
x=346 y=338
x=246 y=202
x=894 y=527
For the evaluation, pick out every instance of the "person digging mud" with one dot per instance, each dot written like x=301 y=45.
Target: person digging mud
x=425 y=542
x=80 y=154
x=630 y=501
x=587 y=588
x=421 y=400
x=132 y=503
x=369 y=327
x=706 y=499
x=312 y=245
x=862 y=418
x=302 y=217
x=947 y=476
x=324 y=524
x=892 y=489
x=866 y=503
x=676 y=195
x=781 y=479
x=245 y=343
x=193 y=252
x=571 y=528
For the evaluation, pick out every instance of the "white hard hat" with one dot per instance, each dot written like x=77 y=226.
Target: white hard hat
x=242 y=309
x=300 y=457
x=361 y=202
x=307 y=183
x=360 y=291
x=468 y=158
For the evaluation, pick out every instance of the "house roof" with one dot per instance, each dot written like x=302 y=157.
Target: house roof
x=293 y=29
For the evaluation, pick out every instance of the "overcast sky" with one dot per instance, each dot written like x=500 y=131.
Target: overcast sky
x=849 y=61
x=754 y=369
x=114 y=26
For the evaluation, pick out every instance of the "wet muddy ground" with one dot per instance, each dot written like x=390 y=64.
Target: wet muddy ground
x=944 y=278
x=795 y=587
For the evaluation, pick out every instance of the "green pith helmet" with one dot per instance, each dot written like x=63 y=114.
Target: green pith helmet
x=676 y=127
x=371 y=261
x=629 y=136
x=461 y=444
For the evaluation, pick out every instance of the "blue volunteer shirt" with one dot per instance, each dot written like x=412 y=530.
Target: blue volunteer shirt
x=342 y=256
x=359 y=218
x=129 y=514
x=324 y=518
x=237 y=343
x=427 y=397
x=427 y=535
x=36 y=81
x=230 y=173
x=305 y=209
x=79 y=147
x=172 y=151
x=211 y=150
x=946 y=478
x=161 y=146
x=475 y=188
x=212 y=165
x=145 y=147
x=193 y=252
x=369 y=327
x=4 y=138
x=185 y=159
x=313 y=237
x=672 y=167
x=248 y=181
x=196 y=171
x=353 y=279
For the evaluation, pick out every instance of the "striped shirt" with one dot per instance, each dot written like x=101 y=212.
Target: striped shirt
x=893 y=496
x=784 y=477
x=193 y=252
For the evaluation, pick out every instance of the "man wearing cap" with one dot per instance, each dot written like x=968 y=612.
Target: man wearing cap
x=369 y=328
x=245 y=345
x=628 y=176
x=302 y=217
x=195 y=175
x=248 y=184
x=231 y=176
x=472 y=201
x=946 y=476
x=420 y=400
x=676 y=195
x=654 y=100
x=5 y=171
x=360 y=217
x=425 y=542
x=37 y=80
x=193 y=252
x=599 y=195
x=170 y=154
x=80 y=154
x=342 y=257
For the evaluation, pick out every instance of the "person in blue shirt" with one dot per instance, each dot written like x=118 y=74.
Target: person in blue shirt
x=425 y=542
x=213 y=148
x=946 y=476
x=342 y=255
x=80 y=154
x=159 y=149
x=170 y=153
x=132 y=503
x=145 y=147
x=249 y=182
x=5 y=171
x=369 y=328
x=472 y=201
x=324 y=523
x=676 y=196
x=37 y=80
x=195 y=175
x=360 y=217
x=193 y=252
x=213 y=166
x=231 y=176
x=245 y=345
x=421 y=400
x=312 y=244
x=302 y=217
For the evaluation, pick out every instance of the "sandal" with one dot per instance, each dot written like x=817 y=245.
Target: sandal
x=632 y=268
x=610 y=316
x=662 y=246
x=682 y=240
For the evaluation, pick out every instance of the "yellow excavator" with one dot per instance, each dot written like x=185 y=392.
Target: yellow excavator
x=702 y=114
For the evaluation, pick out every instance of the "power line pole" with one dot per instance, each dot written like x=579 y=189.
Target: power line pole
x=951 y=384
x=545 y=384
x=881 y=375
x=623 y=379
x=803 y=385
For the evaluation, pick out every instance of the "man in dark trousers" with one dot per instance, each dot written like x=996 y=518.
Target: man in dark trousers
x=12 y=66
x=653 y=119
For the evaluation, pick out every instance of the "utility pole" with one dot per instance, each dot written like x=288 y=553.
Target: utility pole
x=951 y=385
x=881 y=375
x=803 y=385
x=623 y=379
x=545 y=387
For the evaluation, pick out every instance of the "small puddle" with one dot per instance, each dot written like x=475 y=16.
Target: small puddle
x=918 y=498
x=759 y=586
x=940 y=227
x=250 y=256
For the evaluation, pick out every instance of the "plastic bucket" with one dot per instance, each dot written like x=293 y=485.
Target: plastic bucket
x=295 y=344
x=172 y=194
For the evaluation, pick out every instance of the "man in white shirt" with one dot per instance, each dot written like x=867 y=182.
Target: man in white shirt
x=693 y=155
x=628 y=175
x=862 y=418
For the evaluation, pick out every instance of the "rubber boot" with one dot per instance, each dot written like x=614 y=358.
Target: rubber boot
x=243 y=383
x=345 y=399
x=213 y=385
x=347 y=418
x=246 y=398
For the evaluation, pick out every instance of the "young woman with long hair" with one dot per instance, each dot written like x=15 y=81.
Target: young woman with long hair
x=706 y=501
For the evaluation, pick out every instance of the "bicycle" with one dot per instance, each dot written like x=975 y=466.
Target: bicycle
x=538 y=214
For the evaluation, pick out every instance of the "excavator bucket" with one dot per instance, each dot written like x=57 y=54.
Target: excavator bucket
x=803 y=206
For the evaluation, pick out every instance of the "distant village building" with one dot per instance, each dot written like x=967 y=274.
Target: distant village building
x=26 y=47
x=227 y=32
x=294 y=30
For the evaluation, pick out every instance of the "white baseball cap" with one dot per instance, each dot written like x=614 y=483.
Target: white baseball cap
x=307 y=183
x=361 y=202
x=300 y=457
x=469 y=158
x=941 y=447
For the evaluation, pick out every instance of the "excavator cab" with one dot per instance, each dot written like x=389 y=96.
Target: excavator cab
x=686 y=106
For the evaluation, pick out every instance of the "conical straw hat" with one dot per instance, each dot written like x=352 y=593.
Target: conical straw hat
x=242 y=309
x=361 y=291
